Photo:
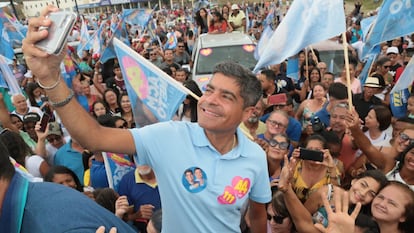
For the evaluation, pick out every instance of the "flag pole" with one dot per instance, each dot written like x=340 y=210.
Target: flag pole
x=348 y=76
x=314 y=54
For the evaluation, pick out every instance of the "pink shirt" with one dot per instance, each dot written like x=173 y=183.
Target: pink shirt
x=355 y=85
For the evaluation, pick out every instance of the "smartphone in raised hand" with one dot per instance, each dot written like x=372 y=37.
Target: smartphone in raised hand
x=62 y=24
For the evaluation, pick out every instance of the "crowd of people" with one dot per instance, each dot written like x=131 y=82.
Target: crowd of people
x=255 y=153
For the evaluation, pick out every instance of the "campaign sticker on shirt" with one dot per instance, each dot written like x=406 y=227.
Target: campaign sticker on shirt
x=194 y=179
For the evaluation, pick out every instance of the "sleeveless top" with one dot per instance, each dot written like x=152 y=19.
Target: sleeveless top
x=394 y=174
x=300 y=187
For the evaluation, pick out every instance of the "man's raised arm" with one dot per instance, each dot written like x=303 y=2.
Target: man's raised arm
x=79 y=123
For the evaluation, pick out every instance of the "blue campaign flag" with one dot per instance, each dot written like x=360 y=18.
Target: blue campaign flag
x=406 y=78
x=171 y=41
x=399 y=102
x=85 y=42
x=395 y=19
x=292 y=70
x=97 y=40
x=366 y=24
x=152 y=26
x=269 y=25
x=12 y=29
x=306 y=22
x=264 y=40
x=3 y=83
x=116 y=166
x=6 y=48
x=367 y=66
x=154 y=95
x=120 y=32
x=137 y=16
x=8 y=79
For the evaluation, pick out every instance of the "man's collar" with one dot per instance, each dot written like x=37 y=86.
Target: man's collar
x=139 y=180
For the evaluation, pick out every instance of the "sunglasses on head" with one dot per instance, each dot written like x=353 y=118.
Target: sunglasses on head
x=404 y=137
x=278 y=219
x=282 y=145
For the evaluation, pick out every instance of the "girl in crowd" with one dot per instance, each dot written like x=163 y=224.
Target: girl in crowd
x=278 y=148
x=22 y=153
x=126 y=110
x=86 y=88
x=278 y=217
x=218 y=24
x=301 y=87
x=393 y=208
x=35 y=94
x=383 y=65
x=17 y=121
x=395 y=161
x=314 y=78
x=99 y=108
x=363 y=189
x=64 y=176
x=190 y=103
x=202 y=20
x=111 y=101
x=376 y=122
x=355 y=83
x=309 y=107
x=309 y=175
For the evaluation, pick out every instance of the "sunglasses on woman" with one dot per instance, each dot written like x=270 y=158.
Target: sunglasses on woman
x=404 y=137
x=282 y=145
x=278 y=219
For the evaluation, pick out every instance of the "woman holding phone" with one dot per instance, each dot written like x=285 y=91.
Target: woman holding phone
x=310 y=175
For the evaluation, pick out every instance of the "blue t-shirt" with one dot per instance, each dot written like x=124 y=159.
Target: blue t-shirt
x=70 y=158
x=182 y=156
x=98 y=175
x=56 y=208
x=139 y=193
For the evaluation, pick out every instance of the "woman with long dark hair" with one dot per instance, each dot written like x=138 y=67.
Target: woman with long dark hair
x=202 y=20
x=217 y=24
x=190 y=103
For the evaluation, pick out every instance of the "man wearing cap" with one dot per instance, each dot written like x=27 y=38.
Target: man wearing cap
x=396 y=68
x=365 y=100
x=50 y=141
x=29 y=123
x=21 y=106
x=237 y=19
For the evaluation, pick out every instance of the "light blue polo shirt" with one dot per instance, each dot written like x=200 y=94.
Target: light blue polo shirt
x=201 y=190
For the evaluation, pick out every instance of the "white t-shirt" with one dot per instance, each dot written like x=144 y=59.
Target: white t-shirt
x=33 y=163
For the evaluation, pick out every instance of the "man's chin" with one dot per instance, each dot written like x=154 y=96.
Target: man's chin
x=253 y=120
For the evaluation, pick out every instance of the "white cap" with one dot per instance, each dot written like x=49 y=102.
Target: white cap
x=235 y=7
x=392 y=50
